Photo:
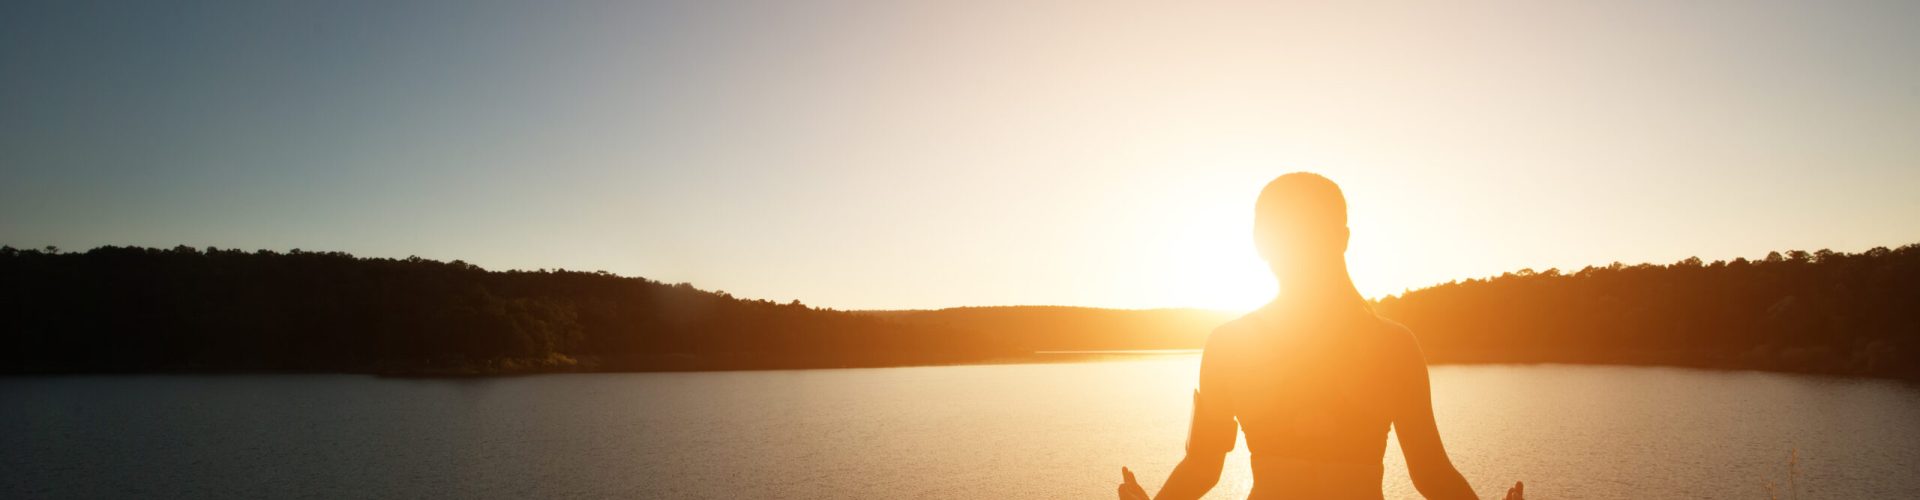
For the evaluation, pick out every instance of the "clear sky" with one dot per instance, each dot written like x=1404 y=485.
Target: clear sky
x=886 y=154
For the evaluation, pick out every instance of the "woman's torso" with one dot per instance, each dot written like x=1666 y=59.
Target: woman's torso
x=1314 y=395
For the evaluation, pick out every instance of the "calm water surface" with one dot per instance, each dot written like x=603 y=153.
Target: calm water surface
x=998 y=431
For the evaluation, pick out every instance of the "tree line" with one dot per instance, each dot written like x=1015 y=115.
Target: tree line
x=114 y=309
x=146 y=309
x=1820 y=312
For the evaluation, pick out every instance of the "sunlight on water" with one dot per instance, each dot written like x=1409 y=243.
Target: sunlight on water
x=997 y=431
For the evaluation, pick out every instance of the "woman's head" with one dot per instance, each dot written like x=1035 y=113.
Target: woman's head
x=1300 y=222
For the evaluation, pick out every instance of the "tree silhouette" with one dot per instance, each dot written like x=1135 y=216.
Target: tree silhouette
x=143 y=309
x=1826 y=312
x=137 y=309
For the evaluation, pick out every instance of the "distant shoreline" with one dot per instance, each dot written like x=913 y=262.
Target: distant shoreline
x=1038 y=357
x=150 y=310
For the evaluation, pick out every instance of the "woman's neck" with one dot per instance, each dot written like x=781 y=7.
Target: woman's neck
x=1324 y=286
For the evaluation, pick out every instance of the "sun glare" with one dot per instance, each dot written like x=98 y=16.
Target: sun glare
x=1217 y=267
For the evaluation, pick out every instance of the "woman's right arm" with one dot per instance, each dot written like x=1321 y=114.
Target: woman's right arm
x=1433 y=473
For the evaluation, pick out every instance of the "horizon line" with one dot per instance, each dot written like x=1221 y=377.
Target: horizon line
x=55 y=249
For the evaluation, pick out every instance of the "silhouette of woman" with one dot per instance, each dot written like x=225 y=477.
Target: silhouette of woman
x=1314 y=378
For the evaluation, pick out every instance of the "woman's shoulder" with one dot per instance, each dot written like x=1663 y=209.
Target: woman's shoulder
x=1238 y=331
x=1398 y=342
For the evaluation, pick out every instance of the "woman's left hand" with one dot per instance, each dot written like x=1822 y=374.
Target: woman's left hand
x=1130 y=489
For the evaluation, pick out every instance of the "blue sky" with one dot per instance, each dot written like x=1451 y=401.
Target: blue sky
x=926 y=154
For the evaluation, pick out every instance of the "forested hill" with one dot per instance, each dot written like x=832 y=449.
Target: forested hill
x=1815 y=312
x=1820 y=312
x=185 y=309
x=139 y=309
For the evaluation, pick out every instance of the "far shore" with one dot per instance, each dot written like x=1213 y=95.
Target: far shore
x=748 y=362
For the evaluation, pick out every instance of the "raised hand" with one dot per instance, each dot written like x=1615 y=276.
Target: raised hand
x=1517 y=492
x=1130 y=489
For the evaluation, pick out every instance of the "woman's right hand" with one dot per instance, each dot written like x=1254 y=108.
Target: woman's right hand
x=1129 y=488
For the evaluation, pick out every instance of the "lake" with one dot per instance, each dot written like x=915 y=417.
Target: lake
x=1059 y=430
